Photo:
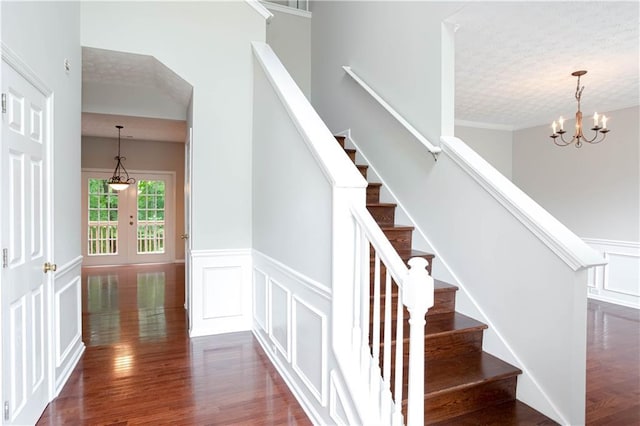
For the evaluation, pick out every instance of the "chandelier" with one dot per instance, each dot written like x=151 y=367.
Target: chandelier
x=120 y=179
x=599 y=123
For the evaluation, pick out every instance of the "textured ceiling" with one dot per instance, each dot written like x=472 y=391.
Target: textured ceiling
x=514 y=60
x=140 y=128
x=129 y=69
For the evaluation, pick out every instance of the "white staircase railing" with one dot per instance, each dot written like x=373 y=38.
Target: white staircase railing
x=414 y=289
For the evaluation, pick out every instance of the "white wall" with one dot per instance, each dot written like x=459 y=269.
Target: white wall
x=208 y=45
x=493 y=145
x=289 y=35
x=43 y=35
x=395 y=47
x=594 y=190
x=107 y=98
x=98 y=153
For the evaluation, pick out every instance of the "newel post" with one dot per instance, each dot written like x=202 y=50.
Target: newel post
x=417 y=296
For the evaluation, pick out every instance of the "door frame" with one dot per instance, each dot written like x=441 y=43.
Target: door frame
x=170 y=212
x=13 y=60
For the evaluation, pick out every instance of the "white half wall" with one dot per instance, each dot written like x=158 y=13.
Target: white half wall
x=495 y=146
x=594 y=190
x=221 y=292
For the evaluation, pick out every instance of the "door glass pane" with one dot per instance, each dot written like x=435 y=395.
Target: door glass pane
x=151 y=196
x=102 y=235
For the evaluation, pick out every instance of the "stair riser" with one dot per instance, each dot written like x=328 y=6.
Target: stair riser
x=352 y=154
x=444 y=302
x=363 y=170
x=340 y=140
x=383 y=215
x=373 y=194
x=400 y=239
x=450 y=404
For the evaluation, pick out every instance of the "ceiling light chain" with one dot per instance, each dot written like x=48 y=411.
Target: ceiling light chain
x=120 y=179
x=599 y=123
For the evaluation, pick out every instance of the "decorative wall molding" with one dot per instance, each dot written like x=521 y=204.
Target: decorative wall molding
x=221 y=297
x=69 y=266
x=300 y=351
x=339 y=412
x=21 y=67
x=618 y=281
x=259 y=7
x=481 y=125
x=63 y=350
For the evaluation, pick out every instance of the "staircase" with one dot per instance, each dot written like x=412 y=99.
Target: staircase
x=463 y=384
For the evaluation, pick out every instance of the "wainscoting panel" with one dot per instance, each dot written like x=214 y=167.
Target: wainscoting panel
x=260 y=298
x=618 y=281
x=280 y=318
x=295 y=336
x=67 y=317
x=221 y=292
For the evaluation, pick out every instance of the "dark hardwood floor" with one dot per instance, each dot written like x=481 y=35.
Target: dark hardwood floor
x=613 y=365
x=140 y=367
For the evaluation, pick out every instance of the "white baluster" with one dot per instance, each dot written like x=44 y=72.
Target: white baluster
x=385 y=397
x=357 y=280
x=374 y=371
x=397 y=414
x=365 y=283
x=418 y=298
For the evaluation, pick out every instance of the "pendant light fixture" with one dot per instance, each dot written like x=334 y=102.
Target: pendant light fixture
x=120 y=179
x=599 y=123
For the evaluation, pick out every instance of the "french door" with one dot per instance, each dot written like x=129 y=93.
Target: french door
x=131 y=226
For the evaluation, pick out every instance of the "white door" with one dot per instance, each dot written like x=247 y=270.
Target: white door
x=131 y=226
x=24 y=241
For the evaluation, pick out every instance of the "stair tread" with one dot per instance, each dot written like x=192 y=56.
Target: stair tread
x=408 y=254
x=444 y=286
x=374 y=184
x=397 y=228
x=510 y=413
x=382 y=205
x=441 y=324
x=448 y=374
x=349 y=150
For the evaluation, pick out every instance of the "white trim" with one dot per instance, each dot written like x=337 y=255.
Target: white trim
x=310 y=126
x=17 y=63
x=73 y=263
x=259 y=7
x=482 y=125
x=430 y=147
x=61 y=356
x=286 y=9
x=220 y=253
x=66 y=373
x=286 y=353
x=564 y=243
x=309 y=283
x=292 y=384
x=614 y=243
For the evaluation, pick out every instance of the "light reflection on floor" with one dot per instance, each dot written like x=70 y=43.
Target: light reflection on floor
x=130 y=302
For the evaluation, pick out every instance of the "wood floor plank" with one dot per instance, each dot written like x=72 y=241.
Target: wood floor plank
x=140 y=367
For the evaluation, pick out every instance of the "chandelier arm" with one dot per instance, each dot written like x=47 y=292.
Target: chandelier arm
x=564 y=142
x=593 y=141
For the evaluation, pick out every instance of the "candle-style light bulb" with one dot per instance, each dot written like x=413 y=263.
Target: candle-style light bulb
x=553 y=126
x=604 y=121
x=561 y=122
x=595 y=119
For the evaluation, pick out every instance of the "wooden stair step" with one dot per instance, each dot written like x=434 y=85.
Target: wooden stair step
x=383 y=213
x=399 y=236
x=458 y=385
x=510 y=413
x=351 y=153
x=446 y=335
x=362 y=168
x=340 y=140
x=373 y=192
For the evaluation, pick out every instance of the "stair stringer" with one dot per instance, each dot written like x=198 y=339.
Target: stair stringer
x=529 y=389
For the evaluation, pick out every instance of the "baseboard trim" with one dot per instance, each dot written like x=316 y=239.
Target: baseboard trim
x=66 y=373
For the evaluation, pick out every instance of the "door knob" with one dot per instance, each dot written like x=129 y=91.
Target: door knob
x=50 y=267
x=184 y=236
